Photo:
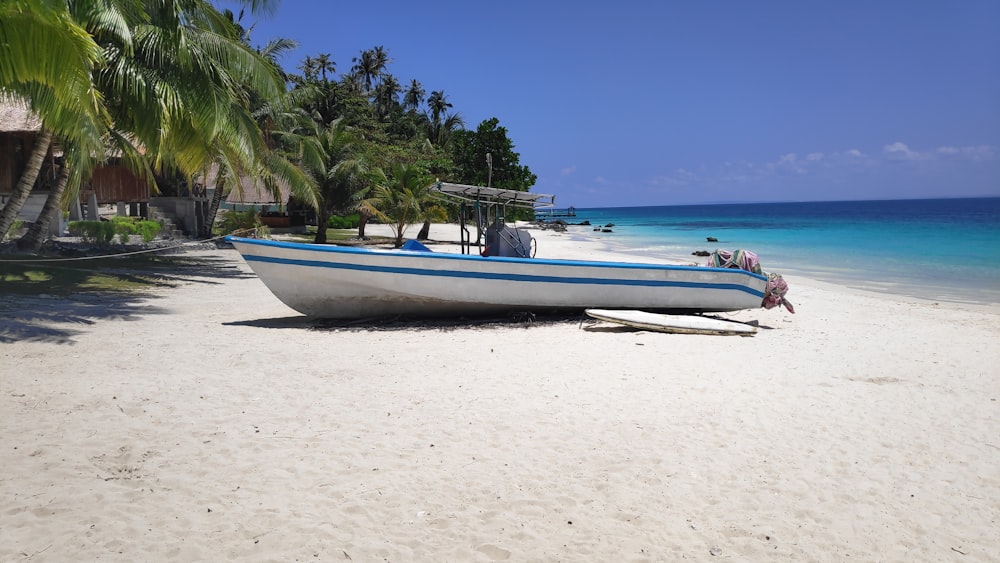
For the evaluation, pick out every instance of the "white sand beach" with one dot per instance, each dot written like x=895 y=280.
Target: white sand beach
x=207 y=422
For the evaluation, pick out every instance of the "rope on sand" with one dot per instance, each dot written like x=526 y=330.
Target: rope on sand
x=133 y=253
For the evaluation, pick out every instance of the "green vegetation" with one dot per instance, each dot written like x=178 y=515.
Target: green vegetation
x=127 y=226
x=99 y=232
x=102 y=232
x=242 y=223
x=174 y=87
x=400 y=199
x=344 y=222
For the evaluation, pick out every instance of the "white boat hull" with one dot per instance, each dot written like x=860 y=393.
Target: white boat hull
x=349 y=283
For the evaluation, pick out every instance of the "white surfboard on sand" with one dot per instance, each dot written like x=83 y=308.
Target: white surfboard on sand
x=682 y=324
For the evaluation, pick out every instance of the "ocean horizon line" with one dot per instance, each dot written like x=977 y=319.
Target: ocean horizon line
x=771 y=202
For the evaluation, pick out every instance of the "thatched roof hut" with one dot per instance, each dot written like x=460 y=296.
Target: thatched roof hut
x=17 y=119
x=250 y=191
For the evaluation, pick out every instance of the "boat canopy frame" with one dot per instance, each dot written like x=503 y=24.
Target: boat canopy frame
x=486 y=201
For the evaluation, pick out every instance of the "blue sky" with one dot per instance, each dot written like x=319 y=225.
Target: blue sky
x=662 y=103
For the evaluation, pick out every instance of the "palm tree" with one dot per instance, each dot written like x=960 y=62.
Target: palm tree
x=368 y=67
x=46 y=67
x=48 y=58
x=333 y=157
x=32 y=240
x=308 y=68
x=324 y=65
x=386 y=95
x=439 y=132
x=438 y=104
x=399 y=200
x=176 y=82
x=414 y=96
x=273 y=168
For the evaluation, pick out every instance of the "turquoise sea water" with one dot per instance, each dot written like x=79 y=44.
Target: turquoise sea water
x=942 y=249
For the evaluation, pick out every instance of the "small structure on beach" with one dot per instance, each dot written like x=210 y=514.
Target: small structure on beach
x=110 y=182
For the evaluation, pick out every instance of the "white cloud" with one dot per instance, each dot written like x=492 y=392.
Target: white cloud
x=980 y=152
x=788 y=162
x=900 y=151
x=569 y=170
x=819 y=166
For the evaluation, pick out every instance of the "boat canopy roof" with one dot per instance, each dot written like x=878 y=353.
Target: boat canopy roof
x=463 y=192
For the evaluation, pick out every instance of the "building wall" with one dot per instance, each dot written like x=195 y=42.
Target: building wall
x=15 y=148
x=114 y=183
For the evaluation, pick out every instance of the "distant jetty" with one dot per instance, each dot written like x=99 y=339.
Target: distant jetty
x=568 y=212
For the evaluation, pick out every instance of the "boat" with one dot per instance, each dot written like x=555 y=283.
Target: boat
x=342 y=282
x=346 y=282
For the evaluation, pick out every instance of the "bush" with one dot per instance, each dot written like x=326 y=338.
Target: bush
x=124 y=227
x=238 y=222
x=100 y=232
x=148 y=229
x=344 y=222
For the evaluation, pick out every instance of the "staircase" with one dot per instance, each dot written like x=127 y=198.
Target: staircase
x=168 y=220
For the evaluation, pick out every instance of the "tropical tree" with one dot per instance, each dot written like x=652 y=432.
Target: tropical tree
x=324 y=65
x=368 y=67
x=469 y=150
x=173 y=81
x=32 y=240
x=438 y=105
x=399 y=199
x=386 y=96
x=309 y=69
x=333 y=157
x=46 y=67
x=22 y=189
x=414 y=96
x=47 y=63
x=440 y=132
x=273 y=168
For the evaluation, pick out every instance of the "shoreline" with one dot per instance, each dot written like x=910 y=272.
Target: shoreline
x=206 y=420
x=972 y=297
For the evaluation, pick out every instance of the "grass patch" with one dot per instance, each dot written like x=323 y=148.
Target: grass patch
x=26 y=276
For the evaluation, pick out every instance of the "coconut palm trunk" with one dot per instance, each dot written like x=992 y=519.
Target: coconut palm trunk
x=322 y=222
x=363 y=216
x=425 y=231
x=213 y=208
x=36 y=235
x=27 y=181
